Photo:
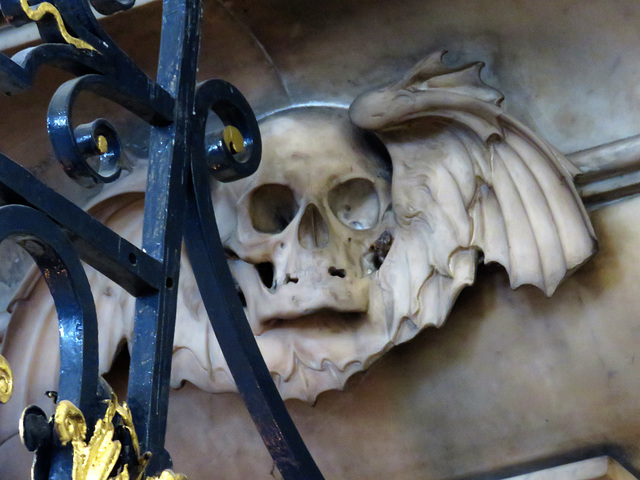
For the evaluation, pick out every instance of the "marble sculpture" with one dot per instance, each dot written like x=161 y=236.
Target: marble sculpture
x=359 y=230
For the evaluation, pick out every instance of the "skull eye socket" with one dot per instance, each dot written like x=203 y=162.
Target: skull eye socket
x=355 y=203
x=272 y=207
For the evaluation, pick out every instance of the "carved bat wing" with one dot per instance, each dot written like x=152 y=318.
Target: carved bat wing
x=468 y=178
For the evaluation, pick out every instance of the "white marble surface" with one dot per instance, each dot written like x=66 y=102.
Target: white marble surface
x=513 y=377
x=600 y=468
x=568 y=69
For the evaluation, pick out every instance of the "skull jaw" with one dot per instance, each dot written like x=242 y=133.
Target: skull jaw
x=294 y=303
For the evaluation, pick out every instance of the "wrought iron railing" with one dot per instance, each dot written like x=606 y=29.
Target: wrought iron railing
x=58 y=234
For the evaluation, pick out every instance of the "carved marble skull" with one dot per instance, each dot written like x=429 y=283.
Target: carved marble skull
x=306 y=223
x=336 y=262
x=337 y=266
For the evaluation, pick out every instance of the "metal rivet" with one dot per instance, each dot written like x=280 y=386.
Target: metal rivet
x=233 y=139
x=102 y=143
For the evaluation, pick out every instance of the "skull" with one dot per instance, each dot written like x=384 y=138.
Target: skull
x=306 y=233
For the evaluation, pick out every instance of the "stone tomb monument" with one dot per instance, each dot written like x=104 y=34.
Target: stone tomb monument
x=360 y=229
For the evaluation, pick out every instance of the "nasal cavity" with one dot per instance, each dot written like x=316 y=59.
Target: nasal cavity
x=313 y=231
x=265 y=271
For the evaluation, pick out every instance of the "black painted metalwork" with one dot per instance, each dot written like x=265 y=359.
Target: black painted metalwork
x=178 y=205
x=222 y=302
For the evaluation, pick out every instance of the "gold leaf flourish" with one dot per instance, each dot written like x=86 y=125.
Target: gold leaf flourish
x=95 y=460
x=6 y=380
x=47 y=8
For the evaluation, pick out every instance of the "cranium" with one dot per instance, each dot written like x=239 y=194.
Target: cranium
x=305 y=235
x=308 y=221
x=325 y=298
x=338 y=264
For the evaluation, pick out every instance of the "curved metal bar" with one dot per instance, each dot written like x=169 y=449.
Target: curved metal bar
x=74 y=147
x=17 y=73
x=80 y=18
x=103 y=249
x=61 y=269
x=104 y=56
x=53 y=17
x=108 y=7
x=13 y=78
x=77 y=323
x=235 y=337
x=177 y=203
x=233 y=110
x=76 y=16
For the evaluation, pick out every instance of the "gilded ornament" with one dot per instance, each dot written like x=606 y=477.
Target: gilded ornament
x=233 y=139
x=6 y=380
x=96 y=459
x=45 y=8
x=102 y=144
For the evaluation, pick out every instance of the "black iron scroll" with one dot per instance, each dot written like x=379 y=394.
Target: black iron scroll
x=178 y=204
